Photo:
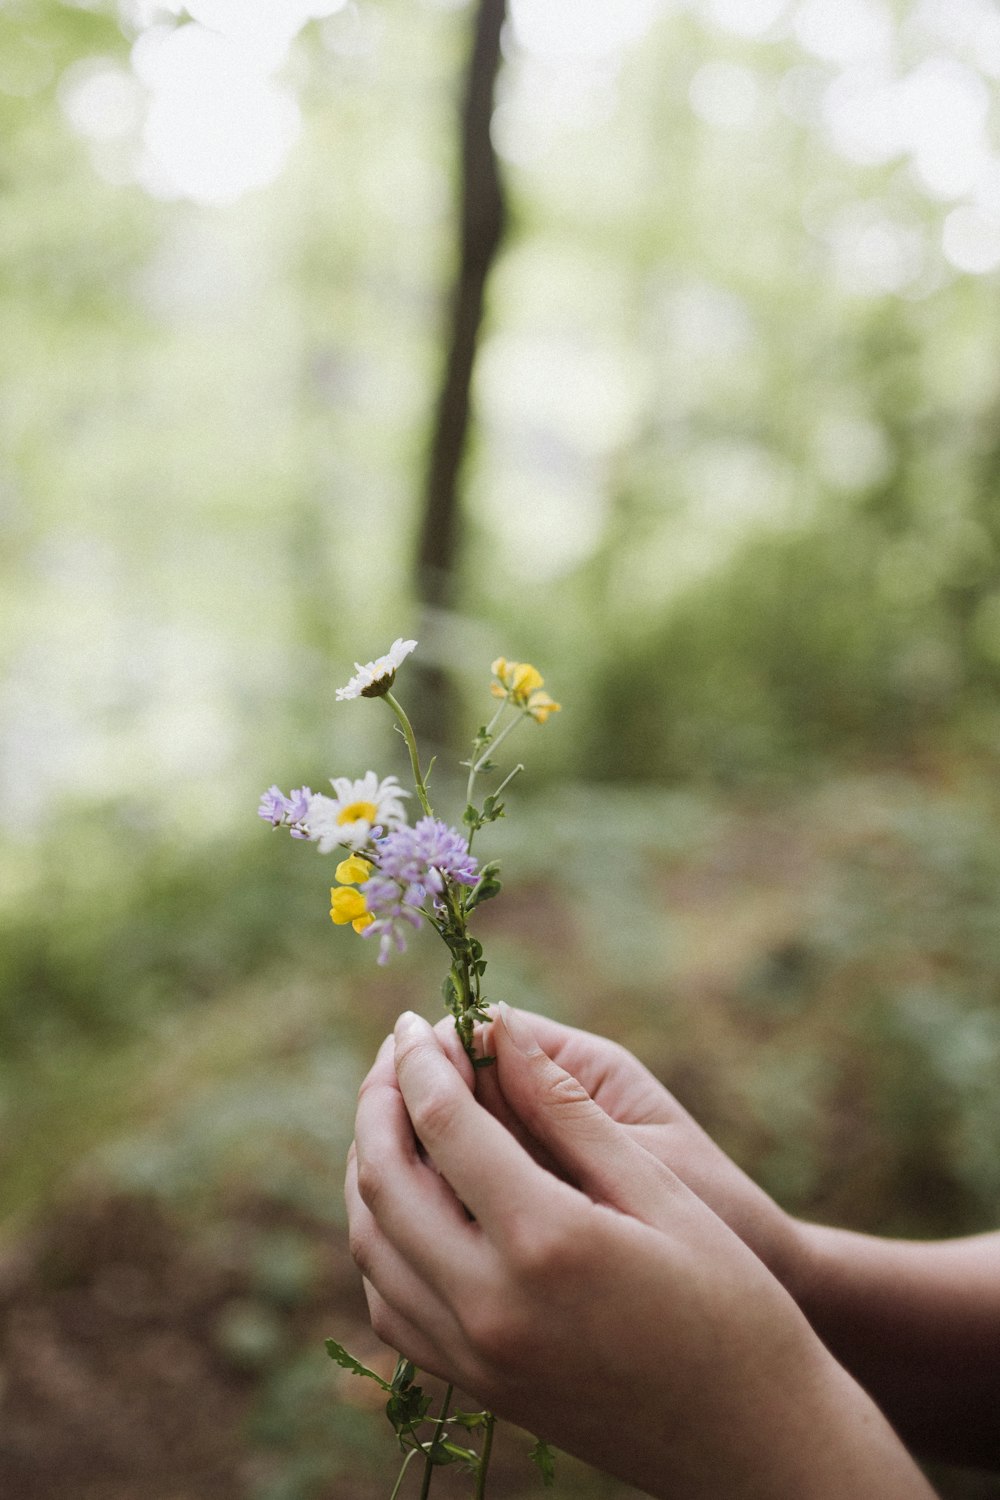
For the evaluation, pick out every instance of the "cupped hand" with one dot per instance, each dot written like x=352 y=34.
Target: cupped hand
x=608 y=1309
x=629 y=1094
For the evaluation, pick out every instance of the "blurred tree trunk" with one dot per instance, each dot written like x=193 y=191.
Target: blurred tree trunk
x=481 y=230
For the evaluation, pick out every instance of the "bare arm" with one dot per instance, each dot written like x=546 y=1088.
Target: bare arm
x=919 y=1326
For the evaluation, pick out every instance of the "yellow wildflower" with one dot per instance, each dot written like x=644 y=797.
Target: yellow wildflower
x=540 y=705
x=521 y=683
x=348 y=905
x=354 y=870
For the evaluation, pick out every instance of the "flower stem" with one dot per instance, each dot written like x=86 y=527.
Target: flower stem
x=425 y=1488
x=488 y=736
x=411 y=745
x=399 y=1477
x=505 y=731
x=484 y=1461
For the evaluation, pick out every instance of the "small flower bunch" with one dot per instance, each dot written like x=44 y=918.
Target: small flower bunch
x=393 y=877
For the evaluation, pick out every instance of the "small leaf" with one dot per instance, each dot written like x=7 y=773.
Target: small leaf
x=455 y=1451
x=542 y=1455
x=339 y=1353
x=483 y=1062
x=471 y=817
x=484 y=891
x=449 y=993
x=487 y=886
x=407 y=1407
x=469 y=1419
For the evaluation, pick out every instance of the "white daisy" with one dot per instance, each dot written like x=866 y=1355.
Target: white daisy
x=376 y=678
x=357 y=807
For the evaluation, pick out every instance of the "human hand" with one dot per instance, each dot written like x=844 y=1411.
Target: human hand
x=650 y=1115
x=611 y=1309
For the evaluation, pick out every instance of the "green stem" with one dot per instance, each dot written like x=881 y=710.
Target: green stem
x=399 y=1477
x=411 y=745
x=425 y=1488
x=488 y=736
x=505 y=731
x=484 y=1461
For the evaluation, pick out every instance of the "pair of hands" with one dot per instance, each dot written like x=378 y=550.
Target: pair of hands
x=565 y=1243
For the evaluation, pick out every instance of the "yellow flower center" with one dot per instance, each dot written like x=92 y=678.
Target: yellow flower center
x=356 y=811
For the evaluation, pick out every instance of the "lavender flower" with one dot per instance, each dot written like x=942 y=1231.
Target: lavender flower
x=420 y=858
x=413 y=865
x=290 y=812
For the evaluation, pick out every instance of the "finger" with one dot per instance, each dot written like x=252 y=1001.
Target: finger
x=452 y=1044
x=596 y=1151
x=612 y=1076
x=396 y=1330
x=487 y=1169
x=406 y=1313
x=413 y=1206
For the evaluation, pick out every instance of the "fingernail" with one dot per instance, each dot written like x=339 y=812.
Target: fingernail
x=410 y=1025
x=519 y=1030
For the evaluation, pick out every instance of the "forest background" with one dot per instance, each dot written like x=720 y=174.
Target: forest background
x=730 y=479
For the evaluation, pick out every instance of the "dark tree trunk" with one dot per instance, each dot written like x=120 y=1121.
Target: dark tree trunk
x=482 y=226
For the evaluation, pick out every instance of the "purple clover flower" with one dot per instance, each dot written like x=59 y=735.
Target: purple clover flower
x=413 y=864
x=422 y=856
x=290 y=812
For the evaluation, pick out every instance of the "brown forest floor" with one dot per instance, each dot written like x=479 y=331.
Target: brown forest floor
x=150 y=1350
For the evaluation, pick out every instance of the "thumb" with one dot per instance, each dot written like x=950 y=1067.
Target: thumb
x=595 y=1152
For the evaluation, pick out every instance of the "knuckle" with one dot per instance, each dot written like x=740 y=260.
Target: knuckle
x=541 y=1254
x=359 y=1244
x=370 y=1184
x=434 y=1116
x=492 y=1333
x=568 y=1091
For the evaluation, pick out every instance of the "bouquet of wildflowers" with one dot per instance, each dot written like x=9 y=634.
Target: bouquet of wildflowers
x=392 y=878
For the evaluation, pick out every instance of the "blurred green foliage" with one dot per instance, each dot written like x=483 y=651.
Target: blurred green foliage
x=733 y=486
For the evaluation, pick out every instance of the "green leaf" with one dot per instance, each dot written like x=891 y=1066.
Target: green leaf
x=407 y=1407
x=339 y=1353
x=454 y=1451
x=450 y=993
x=483 y=1062
x=403 y=1374
x=487 y=886
x=469 y=1419
x=542 y=1455
x=471 y=817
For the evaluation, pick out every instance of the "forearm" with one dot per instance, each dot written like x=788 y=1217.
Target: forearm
x=918 y=1325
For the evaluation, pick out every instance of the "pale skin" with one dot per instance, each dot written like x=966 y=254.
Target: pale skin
x=569 y=1247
